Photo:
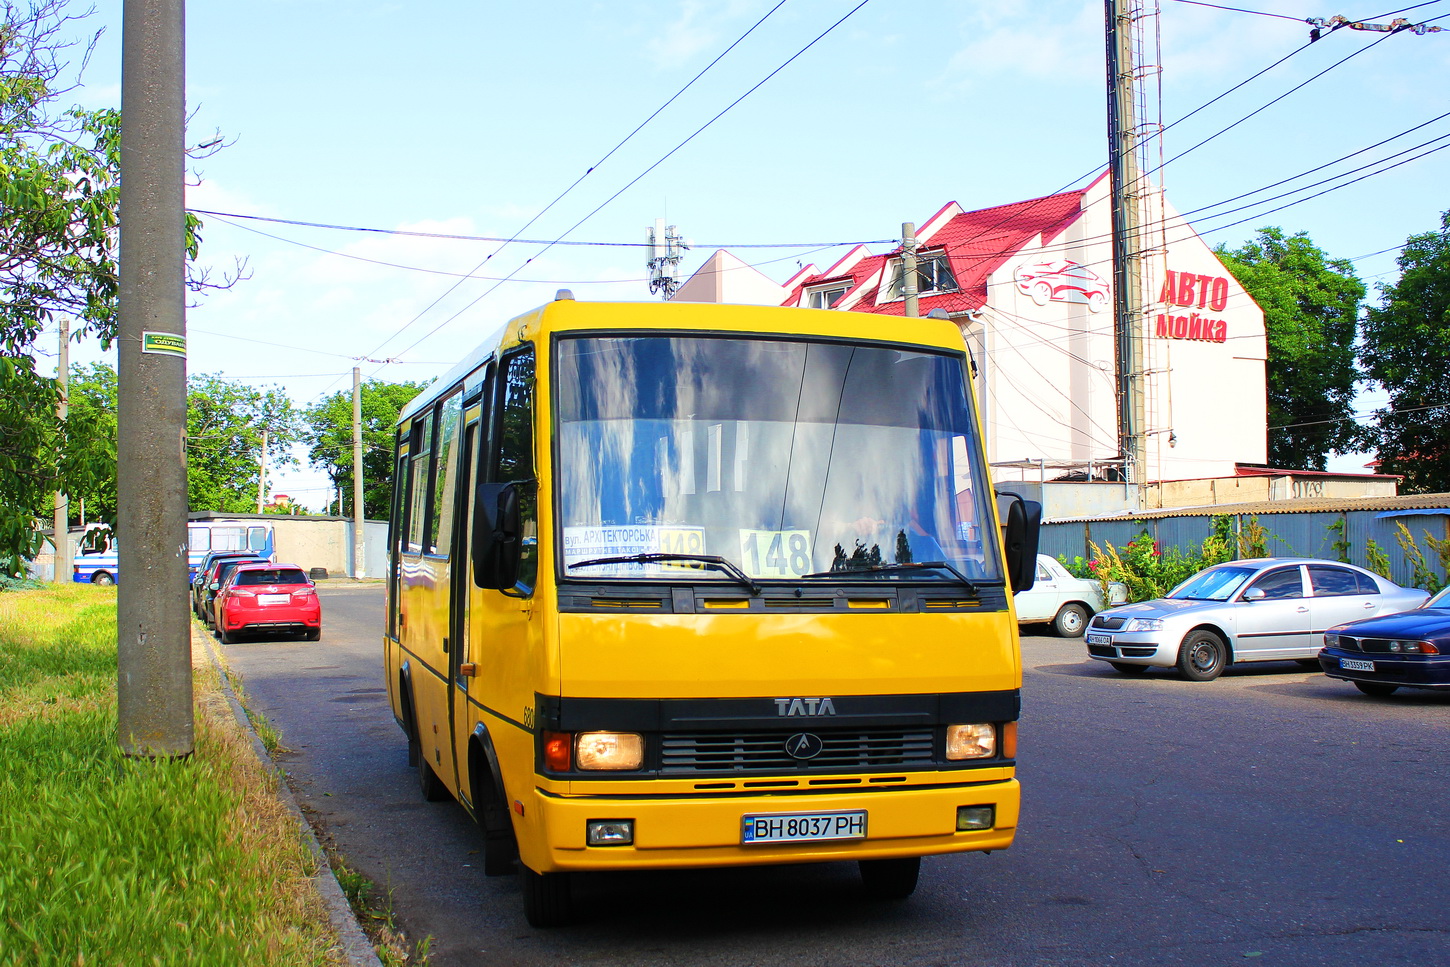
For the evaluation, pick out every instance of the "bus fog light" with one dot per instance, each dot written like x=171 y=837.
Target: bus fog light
x=977 y=741
x=610 y=832
x=609 y=750
x=976 y=817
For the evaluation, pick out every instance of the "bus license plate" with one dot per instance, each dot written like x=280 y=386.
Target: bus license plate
x=803 y=827
x=1355 y=665
x=1100 y=639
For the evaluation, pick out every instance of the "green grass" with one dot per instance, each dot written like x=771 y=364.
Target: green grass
x=109 y=860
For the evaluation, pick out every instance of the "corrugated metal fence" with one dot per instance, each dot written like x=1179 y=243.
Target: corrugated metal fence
x=1298 y=534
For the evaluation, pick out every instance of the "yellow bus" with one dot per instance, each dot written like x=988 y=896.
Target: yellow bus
x=679 y=585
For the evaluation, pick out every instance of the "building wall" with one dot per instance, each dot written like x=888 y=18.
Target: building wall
x=1051 y=390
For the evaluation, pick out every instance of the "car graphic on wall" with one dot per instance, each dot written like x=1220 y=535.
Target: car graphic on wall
x=1062 y=280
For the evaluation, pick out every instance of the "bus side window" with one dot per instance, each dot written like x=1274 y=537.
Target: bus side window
x=515 y=449
x=445 y=475
x=198 y=539
x=422 y=444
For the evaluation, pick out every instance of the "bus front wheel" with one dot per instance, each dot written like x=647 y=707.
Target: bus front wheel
x=102 y=578
x=547 y=899
x=890 y=879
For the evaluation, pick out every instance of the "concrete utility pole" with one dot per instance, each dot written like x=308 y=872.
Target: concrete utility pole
x=1127 y=259
x=359 y=567
x=262 y=473
x=153 y=638
x=908 y=268
x=60 y=530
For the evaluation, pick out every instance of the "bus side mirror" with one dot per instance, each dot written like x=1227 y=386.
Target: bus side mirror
x=496 y=538
x=1019 y=541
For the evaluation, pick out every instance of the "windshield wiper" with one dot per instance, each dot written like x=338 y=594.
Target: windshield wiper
x=886 y=568
x=709 y=560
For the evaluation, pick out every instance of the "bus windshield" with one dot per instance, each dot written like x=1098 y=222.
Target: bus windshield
x=786 y=459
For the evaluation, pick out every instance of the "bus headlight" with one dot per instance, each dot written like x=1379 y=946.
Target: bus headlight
x=978 y=741
x=609 y=750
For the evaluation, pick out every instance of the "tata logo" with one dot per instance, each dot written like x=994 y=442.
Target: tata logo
x=804 y=706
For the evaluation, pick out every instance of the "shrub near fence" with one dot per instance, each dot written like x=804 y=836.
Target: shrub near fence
x=1151 y=566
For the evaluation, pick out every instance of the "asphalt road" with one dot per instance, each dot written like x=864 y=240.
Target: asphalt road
x=1273 y=816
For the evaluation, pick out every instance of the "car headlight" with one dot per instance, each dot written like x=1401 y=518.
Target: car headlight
x=1331 y=640
x=609 y=750
x=977 y=741
x=1401 y=647
x=1144 y=624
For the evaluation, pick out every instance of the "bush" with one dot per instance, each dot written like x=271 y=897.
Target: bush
x=1147 y=571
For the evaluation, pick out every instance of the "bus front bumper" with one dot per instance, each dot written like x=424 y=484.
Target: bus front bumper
x=703 y=831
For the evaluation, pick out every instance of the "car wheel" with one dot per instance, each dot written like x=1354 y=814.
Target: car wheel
x=429 y=784
x=313 y=634
x=1377 y=689
x=227 y=637
x=102 y=578
x=1071 y=621
x=1097 y=302
x=890 y=879
x=547 y=899
x=1202 y=656
x=1042 y=293
x=1128 y=669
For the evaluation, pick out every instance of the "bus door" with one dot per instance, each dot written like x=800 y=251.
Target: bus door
x=462 y=653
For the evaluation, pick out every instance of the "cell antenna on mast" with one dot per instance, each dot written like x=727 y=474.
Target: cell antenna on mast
x=666 y=248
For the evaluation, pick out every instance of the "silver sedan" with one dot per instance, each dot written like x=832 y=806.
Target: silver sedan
x=1267 y=609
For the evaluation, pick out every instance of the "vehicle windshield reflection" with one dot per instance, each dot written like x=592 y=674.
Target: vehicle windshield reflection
x=785 y=459
x=1214 y=584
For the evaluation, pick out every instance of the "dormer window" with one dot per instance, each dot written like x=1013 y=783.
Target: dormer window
x=933 y=276
x=826 y=296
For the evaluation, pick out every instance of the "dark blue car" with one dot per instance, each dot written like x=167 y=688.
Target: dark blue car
x=1410 y=649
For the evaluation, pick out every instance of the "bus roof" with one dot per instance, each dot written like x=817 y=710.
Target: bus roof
x=565 y=314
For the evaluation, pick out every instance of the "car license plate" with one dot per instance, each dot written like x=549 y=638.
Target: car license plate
x=803 y=827
x=1356 y=665
x=1100 y=639
x=273 y=598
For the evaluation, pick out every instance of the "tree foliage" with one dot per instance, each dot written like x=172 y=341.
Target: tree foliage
x=225 y=421
x=59 y=195
x=329 y=438
x=1311 y=305
x=1407 y=351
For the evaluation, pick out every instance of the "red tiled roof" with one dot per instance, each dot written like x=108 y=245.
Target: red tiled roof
x=976 y=243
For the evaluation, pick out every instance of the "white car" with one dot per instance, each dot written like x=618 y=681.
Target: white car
x=1065 y=601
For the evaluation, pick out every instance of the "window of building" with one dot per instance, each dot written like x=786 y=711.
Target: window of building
x=933 y=275
x=826 y=296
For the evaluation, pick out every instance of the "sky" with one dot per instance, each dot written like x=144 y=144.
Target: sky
x=827 y=123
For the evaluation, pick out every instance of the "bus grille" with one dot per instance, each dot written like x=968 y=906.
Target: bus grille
x=764 y=752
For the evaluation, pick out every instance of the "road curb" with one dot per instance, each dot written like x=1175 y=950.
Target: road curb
x=356 y=946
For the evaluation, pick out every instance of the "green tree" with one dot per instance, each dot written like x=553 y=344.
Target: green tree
x=329 y=438
x=89 y=443
x=1407 y=351
x=225 y=421
x=1311 y=304
x=59 y=192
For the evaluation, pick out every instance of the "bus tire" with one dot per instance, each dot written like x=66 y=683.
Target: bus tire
x=103 y=578
x=893 y=879
x=429 y=784
x=547 y=899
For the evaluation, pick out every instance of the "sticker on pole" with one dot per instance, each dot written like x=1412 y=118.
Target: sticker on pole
x=163 y=343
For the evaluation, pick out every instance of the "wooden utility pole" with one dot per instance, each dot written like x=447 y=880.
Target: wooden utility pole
x=60 y=530
x=1127 y=257
x=359 y=545
x=153 y=623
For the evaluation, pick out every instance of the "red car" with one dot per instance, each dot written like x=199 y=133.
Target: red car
x=1062 y=280
x=267 y=598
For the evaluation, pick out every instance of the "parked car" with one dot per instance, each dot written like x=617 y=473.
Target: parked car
x=1066 y=601
x=201 y=578
x=216 y=576
x=1406 y=650
x=1268 y=609
x=268 y=598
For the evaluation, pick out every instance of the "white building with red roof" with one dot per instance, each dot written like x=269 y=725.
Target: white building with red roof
x=1030 y=286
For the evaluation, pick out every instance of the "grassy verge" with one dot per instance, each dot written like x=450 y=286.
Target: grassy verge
x=109 y=860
